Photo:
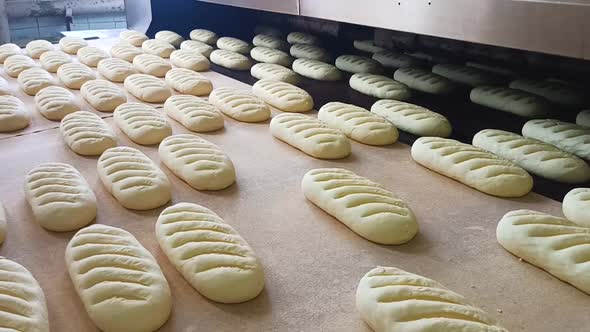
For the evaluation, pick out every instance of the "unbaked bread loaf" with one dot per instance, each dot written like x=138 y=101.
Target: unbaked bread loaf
x=553 y=91
x=23 y=307
x=213 y=257
x=233 y=45
x=204 y=36
x=425 y=81
x=142 y=123
x=310 y=135
x=311 y=52
x=133 y=37
x=472 y=166
x=511 y=100
x=170 y=37
x=284 y=96
x=576 y=206
x=316 y=70
x=231 y=60
x=358 y=124
x=15 y=64
x=390 y=299
x=157 y=47
x=189 y=60
x=367 y=45
x=358 y=64
x=86 y=133
x=32 y=80
x=115 y=70
x=7 y=50
x=534 y=156
x=379 y=86
x=188 y=82
x=270 y=42
x=118 y=280
x=466 y=75
x=13 y=114
x=395 y=60
x=90 y=55
x=583 y=118
x=35 y=48
x=125 y=51
x=133 y=178
x=270 y=55
x=554 y=244
x=60 y=197
x=302 y=38
x=197 y=47
x=147 y=88
x=74 y=75
x=198 y=162
x=103 y=95
x=566 y=136
x=52 y=60
x=366 y=207
x=194 y=113
x=239 y=105
x=55 y=102
x=272 y=72
x=414 y=119
x=151 y=65
x=71 y=45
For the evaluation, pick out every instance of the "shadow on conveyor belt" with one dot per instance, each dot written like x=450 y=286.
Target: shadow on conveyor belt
x=466 y=117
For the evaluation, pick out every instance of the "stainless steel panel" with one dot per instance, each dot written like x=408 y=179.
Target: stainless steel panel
x=555 y=27
x=277 y=6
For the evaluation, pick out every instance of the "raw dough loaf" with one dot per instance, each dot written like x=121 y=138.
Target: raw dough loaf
x=511 y=100
x=103 y=95
x=74 y=75
x=424 y=81
x=554 y=244
x=466 y=75
x=142 y=123
x=209 y=253
x=302 y=38
x=52 y=60
x=23 y=305
x=358 y=123
x=379 y=86
x=367 y=46
x=7 y=50
x=270 y=42
x=188 y=82
x=151 y=65
x=310 y=135
x=554 y=92
x=4 y=88
x=311 y=52
x=2 y=223
x=272 y=72
x=195 y=114
x=239 y=105
x=230 y=60
x=147 y=88
x=316 y=70
x=15 y=64
x=157 y=47
x=133 y=37
x=367 y=208
x=583 y=118
x=576 y=206
x=37 y=47
x=118 y=280
x=133 y=179
x=534 y=156
x=391 y=299
x=284 y=96
x=90 y=55
x=472 y=166
x=32 y=80
x=71 y=45
x=198 y=162
x=233 y=45
x=60 y=197
x=566 y=136
x=197 y=47
x=115 y=70
x=395 y=60
x=125 y=51
x=87 y=134
x=270 y=55
x=204 y=36
x=170 y=37
x=413 y=119
x=55 y=102
x=13 y=114
x=189 y=60
x=358 y=64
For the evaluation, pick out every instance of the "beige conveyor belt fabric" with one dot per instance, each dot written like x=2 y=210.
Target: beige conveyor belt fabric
x=312 y=262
